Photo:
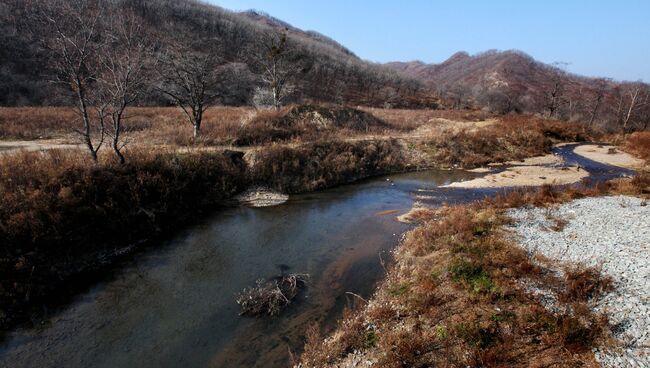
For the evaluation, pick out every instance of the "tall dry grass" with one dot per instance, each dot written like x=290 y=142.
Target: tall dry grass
x=455 y=298
x=35 y=122
x=512 y=138
x=639 y=144
x=156 y=125
x=325 y=164
x=62 y=217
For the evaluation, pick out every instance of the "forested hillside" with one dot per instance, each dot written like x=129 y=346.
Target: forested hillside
x=324 y=70
x=511 y=81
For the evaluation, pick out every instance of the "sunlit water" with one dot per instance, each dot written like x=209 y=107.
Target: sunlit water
x=174 y=306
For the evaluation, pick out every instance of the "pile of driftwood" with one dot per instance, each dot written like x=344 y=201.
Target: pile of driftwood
x=270 y=297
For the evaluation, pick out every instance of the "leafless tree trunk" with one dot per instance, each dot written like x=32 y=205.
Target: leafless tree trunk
x=597 y=100
x=124 y=60
x=190 y=79
x=274 y=60
x=636 y=98
x=76 y=26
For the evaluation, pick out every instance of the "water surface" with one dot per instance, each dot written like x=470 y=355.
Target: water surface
x=175 y=304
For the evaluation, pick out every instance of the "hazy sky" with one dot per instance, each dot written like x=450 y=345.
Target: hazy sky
x=596 y=37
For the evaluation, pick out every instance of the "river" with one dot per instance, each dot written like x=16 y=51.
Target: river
x=174 y=305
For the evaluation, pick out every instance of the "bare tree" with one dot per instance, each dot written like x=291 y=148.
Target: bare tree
x=595 y=101
x=123 y=76
x=190 y=79
x=73 y=48
x=554 y=95
x=277 y=62
x=633 y=98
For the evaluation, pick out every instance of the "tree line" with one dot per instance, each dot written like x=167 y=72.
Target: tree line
x=106 y=55
x=552 y=92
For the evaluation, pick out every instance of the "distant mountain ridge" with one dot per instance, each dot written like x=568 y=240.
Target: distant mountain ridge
x=511 y=67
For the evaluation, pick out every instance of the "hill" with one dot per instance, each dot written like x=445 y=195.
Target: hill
x=505 y=81
x=328 y=72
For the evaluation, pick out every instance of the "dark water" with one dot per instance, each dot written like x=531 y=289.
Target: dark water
x=174 y=306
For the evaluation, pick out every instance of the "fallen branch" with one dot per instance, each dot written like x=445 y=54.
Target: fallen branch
x=270 y=297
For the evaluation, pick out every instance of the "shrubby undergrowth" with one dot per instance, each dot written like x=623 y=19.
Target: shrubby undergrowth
x=63 y=217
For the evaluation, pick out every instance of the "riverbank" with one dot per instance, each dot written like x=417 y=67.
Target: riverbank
x=67 y=220
x=458 y=296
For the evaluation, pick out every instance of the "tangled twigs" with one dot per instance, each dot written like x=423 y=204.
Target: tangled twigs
x=270 y=297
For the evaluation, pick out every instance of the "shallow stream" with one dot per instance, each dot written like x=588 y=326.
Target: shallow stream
x=174 y=306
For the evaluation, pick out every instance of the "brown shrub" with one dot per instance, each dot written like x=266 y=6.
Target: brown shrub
x=454 y=298
x=324 y=164
x=639 y=144
x=60 y=213
x=584 y=283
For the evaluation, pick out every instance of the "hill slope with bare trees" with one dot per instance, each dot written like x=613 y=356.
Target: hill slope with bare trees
x=323 y=70
x=505 y=81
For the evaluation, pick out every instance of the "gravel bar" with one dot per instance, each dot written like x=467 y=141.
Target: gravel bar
x=612 y=233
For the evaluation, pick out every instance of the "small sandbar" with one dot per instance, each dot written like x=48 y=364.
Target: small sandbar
x=261 y=197
x=519 y=176
x=609 y=155
x=549 y=159
x=480 y=170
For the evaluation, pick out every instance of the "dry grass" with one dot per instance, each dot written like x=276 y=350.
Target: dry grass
x=455 y=297
x=35 y=122
x=324 y=164
x=221 y=125
x=61 y=215
x=639 y=144
x=583 y=284
x=411 y=119
x=512 y=138
x=157 y=125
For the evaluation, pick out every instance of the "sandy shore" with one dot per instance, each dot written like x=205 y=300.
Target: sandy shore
x=609 y=155
x=549 y=159
x=518 y=176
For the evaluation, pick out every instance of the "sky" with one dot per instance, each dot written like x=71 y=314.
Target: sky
x=594 y=37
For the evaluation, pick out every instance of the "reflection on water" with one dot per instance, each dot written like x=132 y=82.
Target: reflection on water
x=174 y=306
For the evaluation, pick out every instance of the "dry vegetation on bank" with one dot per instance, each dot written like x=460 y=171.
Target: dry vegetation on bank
x=234 y=125
x=454 y=297
x=638 y=143
x=511 y=138
x=63 y=216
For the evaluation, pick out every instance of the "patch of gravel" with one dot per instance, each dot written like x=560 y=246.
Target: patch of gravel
x=608 y=232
